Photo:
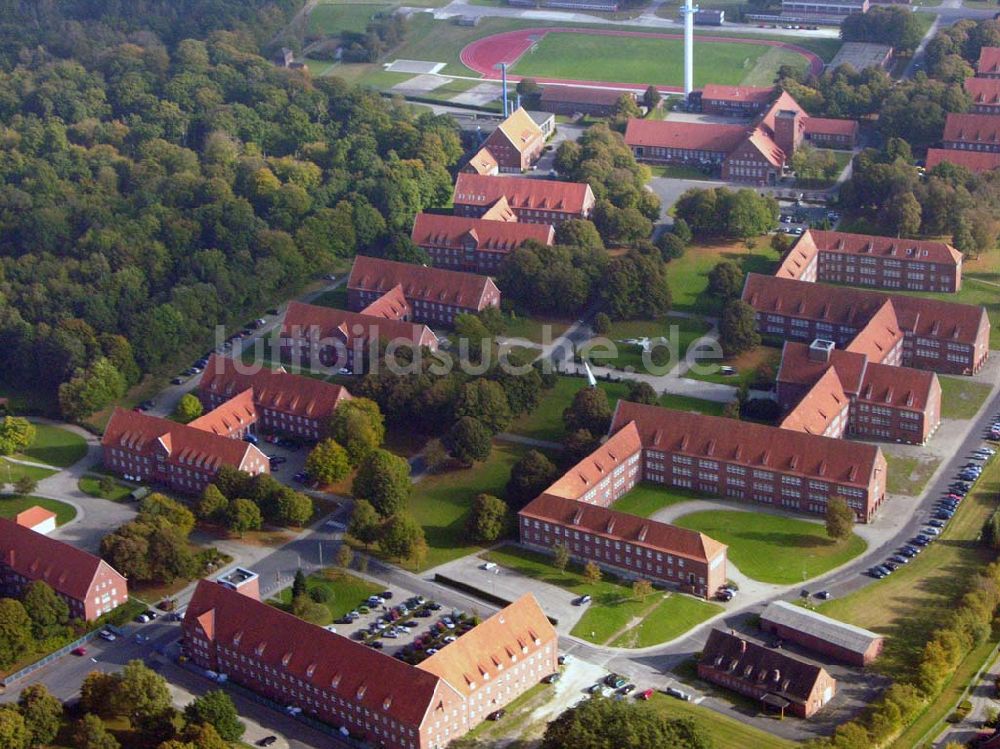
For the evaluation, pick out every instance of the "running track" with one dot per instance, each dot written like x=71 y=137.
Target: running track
x=485 y=55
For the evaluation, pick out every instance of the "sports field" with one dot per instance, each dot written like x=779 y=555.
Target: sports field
x=645 y=60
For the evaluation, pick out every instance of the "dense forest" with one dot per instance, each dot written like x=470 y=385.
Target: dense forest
x=153 y=184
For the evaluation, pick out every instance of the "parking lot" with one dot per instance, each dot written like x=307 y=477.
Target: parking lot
x=795 y=218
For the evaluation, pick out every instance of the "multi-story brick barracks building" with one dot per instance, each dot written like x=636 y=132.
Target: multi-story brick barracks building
x=374 y=697
x=735 y=101
x=975 y=161
x=516 y=143
x=184 y=457
x=939 y=336
x=879 y=262
x=477 y=245
x=284 y=402
x=432 y=295
x=972 y=132
x=779 y=680
x=532 y=201
x=90 y=586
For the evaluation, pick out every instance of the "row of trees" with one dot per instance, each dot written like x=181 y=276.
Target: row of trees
x=242 y=502
x=720 y=212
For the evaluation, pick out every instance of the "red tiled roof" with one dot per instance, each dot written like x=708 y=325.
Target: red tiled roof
x=974 y=161
x=64 y=567
x=783 y=103
x=33 y=516
x=273 y=389
x=880 y=336
x=767 y=148
x=693 y=136
x=898 y=387
x=621 y=526
x=989 y=60
x=480 y=656
x=984 y=91
x=753 y=445
x=855 y=307
x=229 y=417
x=972 y=128
x=140 y=432
x=597 y=466
x=796 y=366
x=796 y=680
x=828 y=126
x=757 y=94
x=920 y=250
x=321 y=322
x=432 y=229
x=522 y=193
x=420 y=282
x=362 y=676
x=577 y=95
x=819 y=407
x=392 y=305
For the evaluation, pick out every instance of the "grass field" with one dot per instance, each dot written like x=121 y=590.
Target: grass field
x=960 y=397
x=906 y=606
x=336 y=298
x=331 y=19
x=761 y=363
x=346 y=591
x=647 y=499
x=688 y=276
x=91 y=485
x=650 y=60
x=906 y=475
x=609 y=614
x=774 y=548
x=535 y=329
x=10 y=506
x=682 y=331
x=724 y=731
x=11 y=472
x=55 y=446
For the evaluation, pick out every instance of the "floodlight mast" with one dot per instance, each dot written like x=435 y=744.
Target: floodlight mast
x=688 y=10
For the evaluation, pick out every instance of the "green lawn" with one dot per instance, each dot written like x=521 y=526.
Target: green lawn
x=10 y=506
x=674 y=171
x=11 y=472
x=760 y=364
x=335 y=298
x=688 y=275
x=724 y=731
x=648 y=498
x=346 y=591
x=612 y=607
x=961 y=398
x=908 y=476
x=650 y=60
x=55 y=446
x=676 y=331
x=774 y=548
x=905 y=606
x=534 y=329
x=333 y=19
x=91 y=485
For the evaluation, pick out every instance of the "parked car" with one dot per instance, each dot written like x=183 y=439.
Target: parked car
x=899 y=559
x=824 y=595
x=267 y=741
x=877 y=573
x=142 y=619
x=678 y=693
x=932 y=531
x=496 y=714
x=106 y=634
x=627 y=689
x=79 y=651
x=582 y=600
x=552 y=678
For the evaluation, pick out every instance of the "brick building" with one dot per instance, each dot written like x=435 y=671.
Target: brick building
x=90 y=586
x=433 y=295
x=779 y=680
x=147 y=448
x=972 y=132
x=673 y=142
x=570 y=100
x=482 y=162
x=756 y=463
x=835 y=392
x=735 y=101
x=516 y=143
x=880 y=262
x=287 y=403
x=985 y=93
x=940 y=336
x=474 y=244
x=804 y=9
x=374 y=697
x=976 y=162
x=322 y=336
x=533 y=201
x=989 y=63
x=37 y=519
x=821 y=634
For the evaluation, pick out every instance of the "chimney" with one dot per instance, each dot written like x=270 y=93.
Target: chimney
x=820 y=350
x=786 y=131
x=743 y=646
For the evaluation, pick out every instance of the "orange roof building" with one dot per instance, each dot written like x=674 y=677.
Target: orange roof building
x=362 y=691
x=287 y=403
x=940 y=336
x=975 y=161
x=231 y=418
x=89 y=585
x=989 y=63
x=37 y=519
x=877 y=262
x=516 y=143
x=533 y=201
x=735 y=101
x=427 y=294
x=476 y=245
x=972 y=132
x=985 y=93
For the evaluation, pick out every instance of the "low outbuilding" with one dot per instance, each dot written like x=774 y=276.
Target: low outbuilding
x=821 y=634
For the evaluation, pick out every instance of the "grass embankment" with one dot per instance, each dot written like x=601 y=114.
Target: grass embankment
x=55 y=446
x=344 y=591
x=961 y=398
x=774 y=548
x=908 y=476
x=687 y=276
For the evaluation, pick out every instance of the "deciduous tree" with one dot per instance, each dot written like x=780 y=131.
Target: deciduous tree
x=592 y=573
x=243 y=515
x=488 y=519
x=42 y=713
x=358 y=425
x=384 y=480
x=560 y=556
x=46 y=610
x=16 y=433
x=468 y=441
x=365 y=521
x=839 y=518
x=529 y=477
x=327 y=463
x=91 y=733
x=725 y=280
x=738 y=328
x=589 y=410
x=212 y=505
x=188 y=408
x=15 y=631
x=216 y=709
x=400 y=535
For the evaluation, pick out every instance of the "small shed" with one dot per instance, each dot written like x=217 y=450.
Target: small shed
x=820 y=633
x=37 y=519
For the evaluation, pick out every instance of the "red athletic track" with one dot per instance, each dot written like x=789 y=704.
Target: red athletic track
x=485 y=55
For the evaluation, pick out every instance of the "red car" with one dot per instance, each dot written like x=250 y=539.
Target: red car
x=645 y=695
x=79 y=651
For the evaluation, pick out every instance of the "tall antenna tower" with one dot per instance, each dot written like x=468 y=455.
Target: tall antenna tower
x=688 y=9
